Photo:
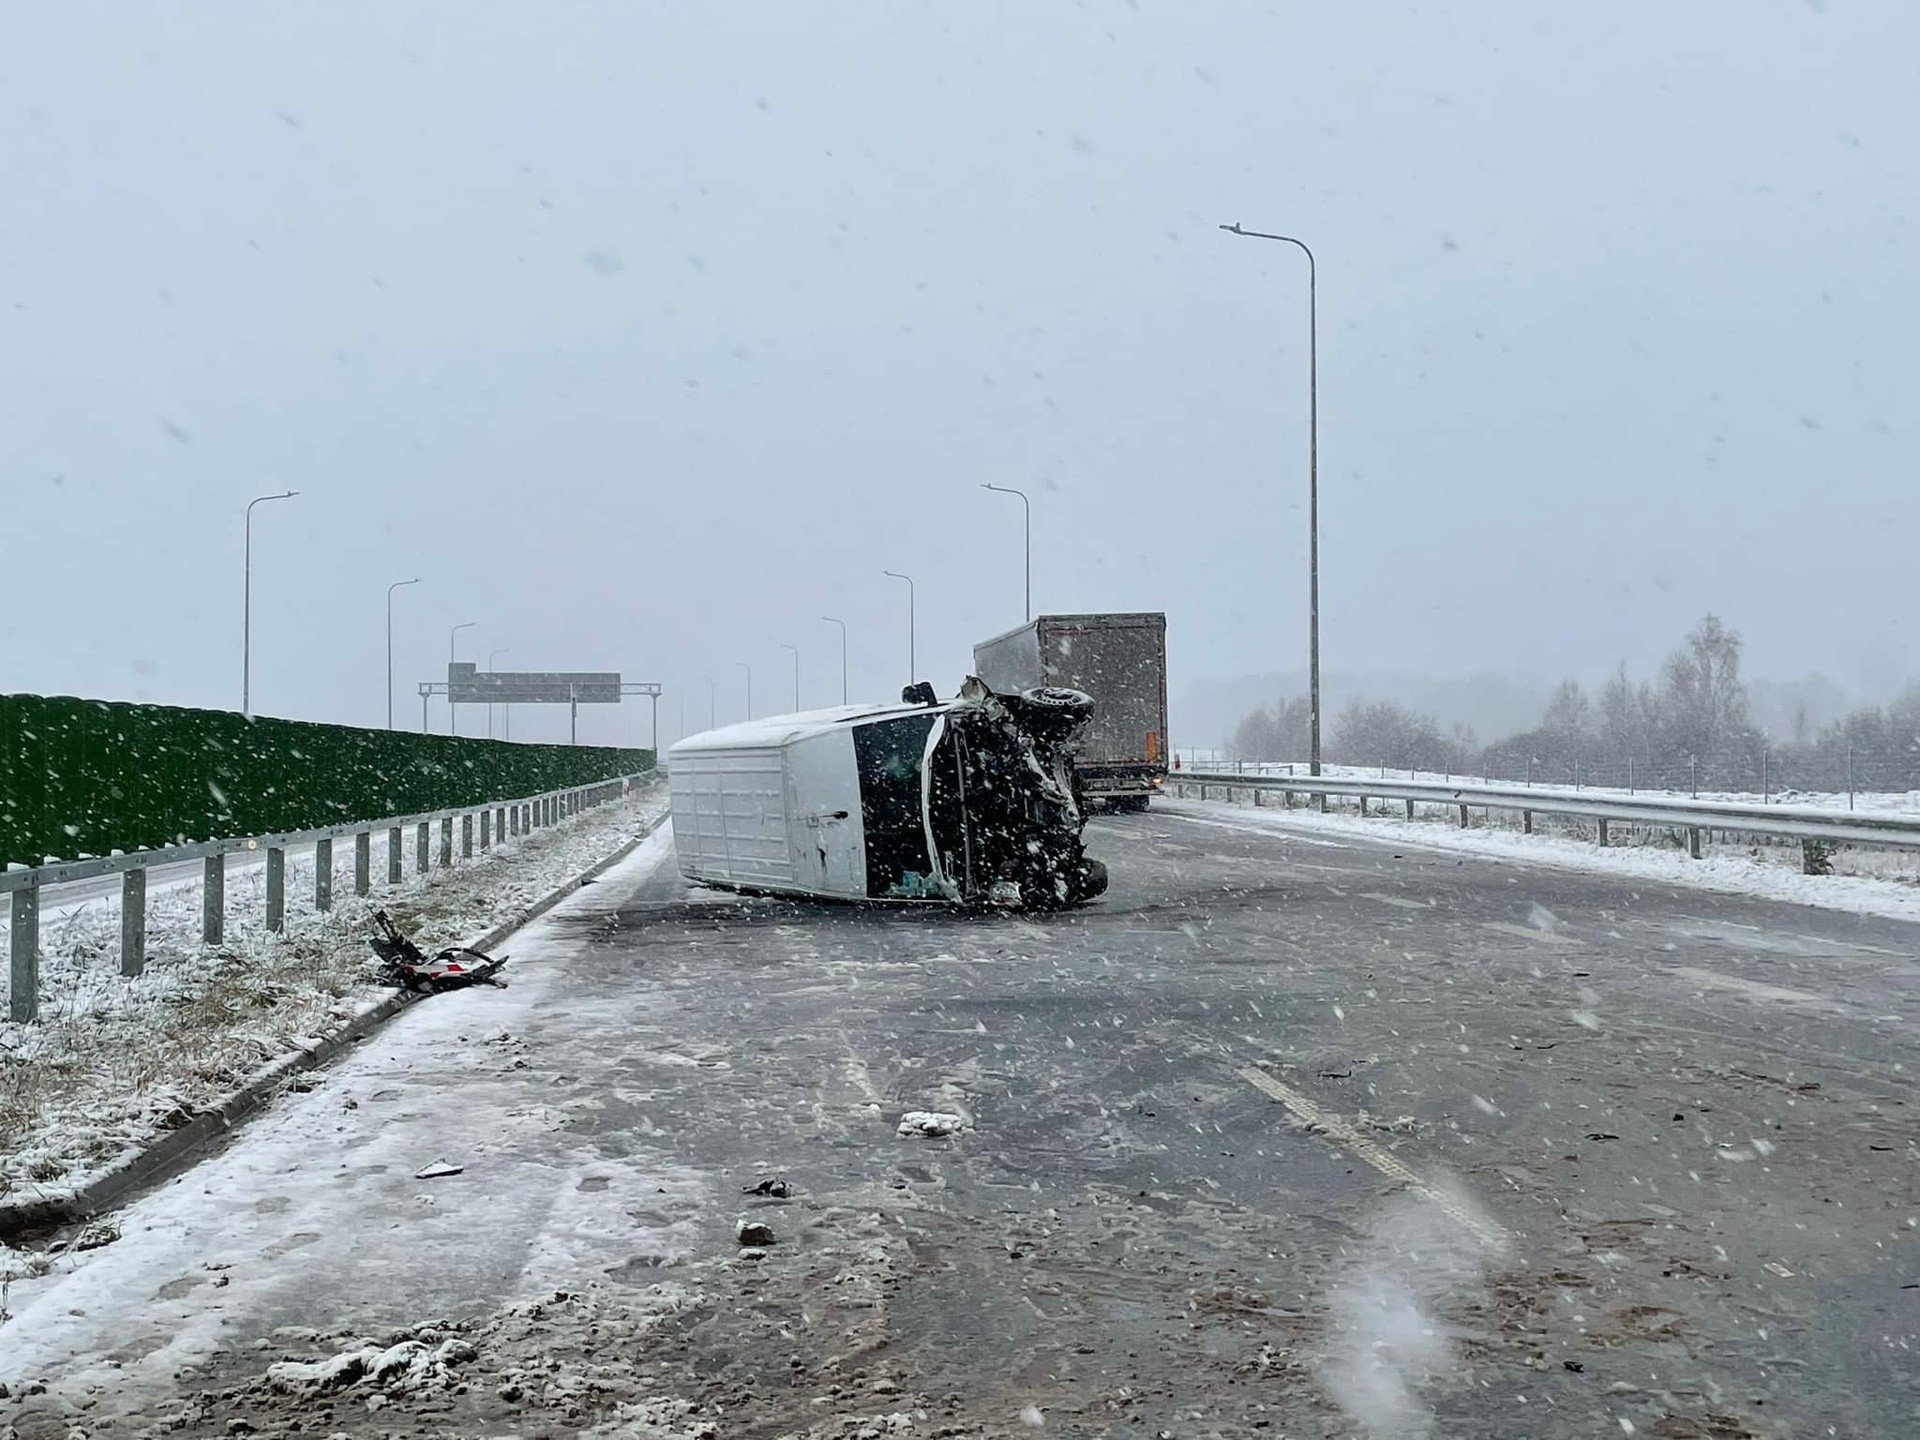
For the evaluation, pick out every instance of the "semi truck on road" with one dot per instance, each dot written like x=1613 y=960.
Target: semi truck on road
x=1121 y=661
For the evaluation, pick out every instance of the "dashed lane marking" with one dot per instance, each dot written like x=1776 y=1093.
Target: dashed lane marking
x=1399 y=900
x=1327 y=1123
x=1713 y=980
x=1527 y=932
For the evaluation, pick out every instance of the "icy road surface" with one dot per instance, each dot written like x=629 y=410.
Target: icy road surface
x=1291 y=1134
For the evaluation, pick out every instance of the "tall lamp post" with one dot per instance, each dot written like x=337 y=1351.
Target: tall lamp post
x=795 y=649
x=246 y=604
x=749 y=671
x=453 y=638
x=1026 y=505
x=491 y=654
x=913 y=667
x=390 y=589
x=1313 y=481
x=835 y=620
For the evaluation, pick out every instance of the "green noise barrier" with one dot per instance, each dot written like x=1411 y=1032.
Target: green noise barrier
x=83 y=778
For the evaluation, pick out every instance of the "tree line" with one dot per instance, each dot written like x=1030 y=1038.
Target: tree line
x=1689 y=726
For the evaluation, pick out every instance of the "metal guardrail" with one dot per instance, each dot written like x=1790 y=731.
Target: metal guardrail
x=497 y=820
x=1835 y=827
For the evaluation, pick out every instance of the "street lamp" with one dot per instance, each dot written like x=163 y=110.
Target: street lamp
x=796 y=673
x=832 y=620
x=1027 y=505
x=1313 y=482
x=749 y=669
x=453 y=637
x=913 y=667
x=246 y=606
x=503 y=650
x=390 y=589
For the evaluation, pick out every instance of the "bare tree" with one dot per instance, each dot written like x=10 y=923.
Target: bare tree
x=1276 y=732
x=1703 y=704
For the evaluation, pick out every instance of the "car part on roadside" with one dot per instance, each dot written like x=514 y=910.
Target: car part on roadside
x=406 y=965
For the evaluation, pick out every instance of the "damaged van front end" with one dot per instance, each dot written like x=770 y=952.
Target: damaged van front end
x=969 y=801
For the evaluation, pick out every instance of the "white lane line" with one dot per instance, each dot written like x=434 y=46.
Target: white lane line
x=1327 y=1123
x=1527 y=932
x=1401 y=901
x=1713 y=980
x=1271 y=831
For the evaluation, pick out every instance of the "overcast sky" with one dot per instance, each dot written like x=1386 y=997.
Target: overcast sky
x=649 y=333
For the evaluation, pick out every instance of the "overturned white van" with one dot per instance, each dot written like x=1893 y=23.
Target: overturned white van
x=966 y=801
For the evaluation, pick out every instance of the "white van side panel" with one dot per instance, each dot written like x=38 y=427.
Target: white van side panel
x=730 y=817
x=823 y=815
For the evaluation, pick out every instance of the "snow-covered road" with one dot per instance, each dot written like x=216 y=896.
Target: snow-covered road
x=1293 y=1119
x=319 y=1194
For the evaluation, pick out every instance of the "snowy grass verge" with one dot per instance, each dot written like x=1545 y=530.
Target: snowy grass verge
x=1863 y=802
x=1865 y=882
x=115 y=1062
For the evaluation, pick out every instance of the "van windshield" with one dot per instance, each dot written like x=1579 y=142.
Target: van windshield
x=889 y=754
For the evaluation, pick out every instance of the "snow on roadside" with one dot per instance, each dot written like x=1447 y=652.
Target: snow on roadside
x=114 y=1061
x=1764 y=872
x=1864 y=802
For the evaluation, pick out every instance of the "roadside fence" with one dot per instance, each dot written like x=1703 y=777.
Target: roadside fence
x=480 y=827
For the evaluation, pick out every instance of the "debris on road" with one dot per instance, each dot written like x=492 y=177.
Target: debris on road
x=95 y=1235
x=753 y=1233
x=407 y=1365
x=406 y=965
x=931 y=1124
x=439 y=1170
x=775 y=1189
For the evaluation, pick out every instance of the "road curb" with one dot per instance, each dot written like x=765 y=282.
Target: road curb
x=177 y=1149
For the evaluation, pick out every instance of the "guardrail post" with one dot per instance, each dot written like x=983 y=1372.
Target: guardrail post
x=213 y=899
x=1363 y=805
x=1693 y=841
x=323 y=874
x=446 y=842
x=500 y=823
x=396 y=855
x=513 y=821
x=422 y=847
x=1409 y=809
x=1259 y=799
x=1603 y=832
x=486 y=824
x=1526 y=822
x=276 y=889
x=1463 y=817
x=362 y=862
x=133 y=922
x=466 y=837
x=1322 y=800
x=24 y=999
